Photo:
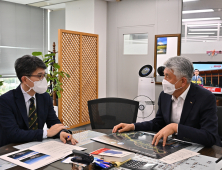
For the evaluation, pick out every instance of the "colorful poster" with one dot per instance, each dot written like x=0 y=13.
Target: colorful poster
x=162 y=45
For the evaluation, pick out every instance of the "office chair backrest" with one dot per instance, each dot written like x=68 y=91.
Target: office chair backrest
x=219 y=115
x=105 y=113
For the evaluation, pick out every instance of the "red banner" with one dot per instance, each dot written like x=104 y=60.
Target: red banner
x=214 y=89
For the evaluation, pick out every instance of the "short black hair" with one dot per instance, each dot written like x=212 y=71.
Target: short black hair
x=27 y=64
x=197 y=70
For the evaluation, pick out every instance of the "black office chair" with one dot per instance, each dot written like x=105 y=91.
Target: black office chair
x=105 y=113
x=219 y=115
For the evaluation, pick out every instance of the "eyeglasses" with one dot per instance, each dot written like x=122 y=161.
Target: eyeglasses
x=40 y=76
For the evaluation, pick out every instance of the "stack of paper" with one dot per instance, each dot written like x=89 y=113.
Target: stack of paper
x=40 y=155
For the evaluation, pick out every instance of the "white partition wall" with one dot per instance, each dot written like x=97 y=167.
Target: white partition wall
x=91 y=16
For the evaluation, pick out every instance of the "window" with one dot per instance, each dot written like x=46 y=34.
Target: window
x=135 y=44
x=22 y=32
x=9 y=84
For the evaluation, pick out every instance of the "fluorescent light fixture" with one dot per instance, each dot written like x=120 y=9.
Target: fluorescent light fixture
x=197 y=11
x=16 y=47
x=202 y=29
x=200 y=19
x=202 y=25
x=202 y=33
x=189 y=0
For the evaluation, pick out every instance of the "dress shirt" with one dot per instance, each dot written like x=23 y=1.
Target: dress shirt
x=177 y=106
x=27 y=104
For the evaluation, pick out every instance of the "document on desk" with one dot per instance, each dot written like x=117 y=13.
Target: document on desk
x=178 y=156
x=82 y=136
x=40 y=155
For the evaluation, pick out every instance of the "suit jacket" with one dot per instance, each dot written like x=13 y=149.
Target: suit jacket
x=194 y=79
x=14 y=120
x=198 y=121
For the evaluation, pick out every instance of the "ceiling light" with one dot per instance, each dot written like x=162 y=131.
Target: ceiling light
x=202 y=25
x=202 y=29
x=202 y=33
x=197 y=11
x=189 y=0
x=200 y=19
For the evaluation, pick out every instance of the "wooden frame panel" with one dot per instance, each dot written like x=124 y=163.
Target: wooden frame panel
x=77 y=56
x=155 y=52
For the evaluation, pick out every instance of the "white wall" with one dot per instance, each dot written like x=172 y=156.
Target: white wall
x=100 y=28
x=121 y=15
x=165 y=15
x=57 y=21
x=90 y=16
x=168 y=16
x=80 y=16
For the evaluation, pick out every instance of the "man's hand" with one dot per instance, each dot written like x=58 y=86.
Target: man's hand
x=164 y=133
x=55 y=129
x=65 y=137
x=123 y=127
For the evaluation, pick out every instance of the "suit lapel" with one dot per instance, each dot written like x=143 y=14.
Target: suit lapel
x=188 y=104
x=168 y=108
x=20 y=101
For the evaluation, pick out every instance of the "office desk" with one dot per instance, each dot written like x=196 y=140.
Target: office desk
x=214 y=151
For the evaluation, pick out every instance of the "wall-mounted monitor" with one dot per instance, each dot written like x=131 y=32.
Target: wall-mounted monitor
x=209 y=76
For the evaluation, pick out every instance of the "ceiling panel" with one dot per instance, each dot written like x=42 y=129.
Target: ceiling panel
x=55 y=7
x=49 y=2
x=46 y=4
x=22 y=1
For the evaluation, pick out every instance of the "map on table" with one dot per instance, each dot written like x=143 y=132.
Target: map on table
x=141 y=142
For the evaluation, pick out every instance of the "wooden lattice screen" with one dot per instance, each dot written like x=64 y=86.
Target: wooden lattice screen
x=78 y=56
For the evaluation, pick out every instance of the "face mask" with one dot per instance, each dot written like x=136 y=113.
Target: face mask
x=169 y=88
x=39 y=86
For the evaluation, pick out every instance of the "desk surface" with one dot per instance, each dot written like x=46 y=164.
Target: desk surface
x=214 y=151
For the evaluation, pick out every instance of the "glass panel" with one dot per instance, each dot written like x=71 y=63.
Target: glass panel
x=220 y=80
x=135 y=44
x=208 y=81
x=201 y=26
x=9 y=84
x=215 y=82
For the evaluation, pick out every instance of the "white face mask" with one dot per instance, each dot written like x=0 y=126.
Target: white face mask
x=39 y=86
x=169 y=88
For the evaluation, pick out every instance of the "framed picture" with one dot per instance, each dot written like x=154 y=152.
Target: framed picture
x=161 y=45
x=166 y=46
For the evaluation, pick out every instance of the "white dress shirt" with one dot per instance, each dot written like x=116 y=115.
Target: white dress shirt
x=177 y=106
x=27 y=104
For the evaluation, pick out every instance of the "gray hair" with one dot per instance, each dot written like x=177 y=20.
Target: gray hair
x=181 y=67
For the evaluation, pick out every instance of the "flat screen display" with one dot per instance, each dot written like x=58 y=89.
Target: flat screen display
x=208 y=75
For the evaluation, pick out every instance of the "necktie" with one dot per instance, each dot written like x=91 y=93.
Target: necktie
x=33 y=123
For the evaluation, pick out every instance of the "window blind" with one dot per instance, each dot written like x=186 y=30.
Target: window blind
x=23 y=30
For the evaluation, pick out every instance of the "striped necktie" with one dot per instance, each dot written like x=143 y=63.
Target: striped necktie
x=33 y=118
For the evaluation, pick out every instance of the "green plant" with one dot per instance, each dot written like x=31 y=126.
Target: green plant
x=1 y=82
x=54 y=73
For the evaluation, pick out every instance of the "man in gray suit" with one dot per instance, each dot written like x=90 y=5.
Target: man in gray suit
x=196 y=77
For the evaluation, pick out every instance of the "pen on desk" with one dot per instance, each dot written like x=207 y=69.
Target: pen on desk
x=218 y=160
x=102 y=165
x=67 y=139
x=102 y=161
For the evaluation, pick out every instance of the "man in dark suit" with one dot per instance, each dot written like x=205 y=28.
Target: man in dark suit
x=25 y=110
x=185 y=109
x=196 y=78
